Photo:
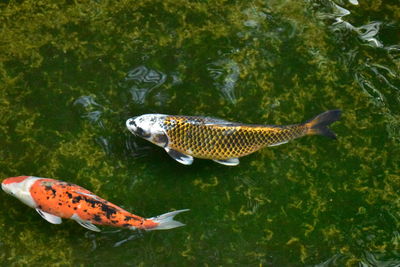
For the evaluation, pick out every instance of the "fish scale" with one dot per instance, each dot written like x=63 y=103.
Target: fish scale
x=195 y=137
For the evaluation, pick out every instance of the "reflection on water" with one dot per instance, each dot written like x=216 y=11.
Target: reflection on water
x=90 y=109
x=370 y=89
x=332 y=261
x=92 y=237
x=141 y=81
x=369 y=33
x=105 y=120
x=105 y=144
x=112 y=238
x=129 y=238
x=225 y=73
x=376 y=78
x=135 y=150
x=379 y=259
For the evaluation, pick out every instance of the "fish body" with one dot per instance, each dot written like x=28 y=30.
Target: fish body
x=185 y=137
x=54 y=199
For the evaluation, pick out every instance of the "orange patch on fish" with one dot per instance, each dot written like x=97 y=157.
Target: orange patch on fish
x=14 y=179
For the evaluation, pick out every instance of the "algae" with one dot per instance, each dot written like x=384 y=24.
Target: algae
x=72 y=72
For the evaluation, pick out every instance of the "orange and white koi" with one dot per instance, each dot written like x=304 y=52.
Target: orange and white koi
x=55 y=199
x=187 y=137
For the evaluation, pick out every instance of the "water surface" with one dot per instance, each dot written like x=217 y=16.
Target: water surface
x=72 y=73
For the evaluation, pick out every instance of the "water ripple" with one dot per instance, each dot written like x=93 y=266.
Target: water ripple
x=371 y=259
x=107 y=236
x=369 y=33
x=374 y=70
x=129 y=238
x=369 y=88
x=254 y=17
x=141 y=81
x=90 y=109
x=135 y=150
x=332 y=261
x=225 y=73
x=105 y=144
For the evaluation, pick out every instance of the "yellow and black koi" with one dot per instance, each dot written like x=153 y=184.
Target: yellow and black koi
x=186 y=137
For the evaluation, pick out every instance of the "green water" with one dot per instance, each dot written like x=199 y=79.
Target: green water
x=71 y=74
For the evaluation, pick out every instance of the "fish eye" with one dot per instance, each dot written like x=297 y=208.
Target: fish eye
x=132 y=122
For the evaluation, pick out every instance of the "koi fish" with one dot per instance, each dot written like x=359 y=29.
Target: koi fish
x=55 y=199
x=186 y=137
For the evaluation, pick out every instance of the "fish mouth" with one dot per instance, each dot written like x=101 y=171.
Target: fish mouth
x=131 y=124
x=135 y=130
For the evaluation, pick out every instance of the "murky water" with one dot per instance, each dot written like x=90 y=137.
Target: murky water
x=71 y=74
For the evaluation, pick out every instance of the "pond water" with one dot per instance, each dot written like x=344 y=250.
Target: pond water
x=71 y=73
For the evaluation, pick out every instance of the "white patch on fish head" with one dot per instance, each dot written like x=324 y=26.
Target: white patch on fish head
x=20 y=187
x=149 y=127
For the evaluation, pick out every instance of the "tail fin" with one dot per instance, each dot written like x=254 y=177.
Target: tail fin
x=319 y=124
x=166 y=220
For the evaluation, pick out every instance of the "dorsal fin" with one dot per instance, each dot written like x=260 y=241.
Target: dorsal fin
x=217 y=121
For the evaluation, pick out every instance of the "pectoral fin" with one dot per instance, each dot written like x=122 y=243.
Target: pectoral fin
x=179 y=157
x=227 y=162
x=89 y=225
x=86 y=224
x=49 y=217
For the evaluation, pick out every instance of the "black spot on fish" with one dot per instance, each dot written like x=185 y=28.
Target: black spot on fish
x=114 y=221
x=108 y=210
x=128 y=218
x=97 y=218
x=93 y=202
x=126 y=225
x=69 y=195
x=50 y=188
x=40 y=206
x=76 y=199
x=59 y=204
x=84 y=210
x=75 y=208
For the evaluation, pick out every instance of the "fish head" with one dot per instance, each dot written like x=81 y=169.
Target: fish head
x=19 y=187
x=149 y=127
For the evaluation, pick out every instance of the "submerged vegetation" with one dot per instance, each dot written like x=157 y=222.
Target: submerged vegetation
x=72 y=72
